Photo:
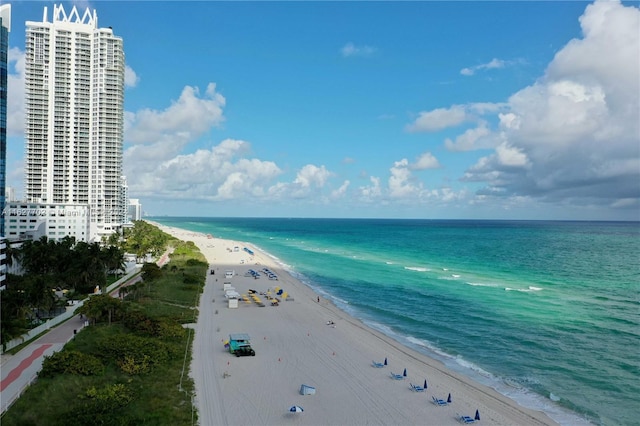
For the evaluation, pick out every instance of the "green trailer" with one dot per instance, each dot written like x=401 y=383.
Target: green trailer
x=239 y=345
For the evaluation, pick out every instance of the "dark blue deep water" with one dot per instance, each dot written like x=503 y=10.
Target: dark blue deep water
x=547 y=313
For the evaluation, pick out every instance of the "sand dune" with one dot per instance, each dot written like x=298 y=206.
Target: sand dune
x=294 y=345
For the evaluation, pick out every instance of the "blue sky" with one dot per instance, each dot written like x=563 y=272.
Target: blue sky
x=496 y=110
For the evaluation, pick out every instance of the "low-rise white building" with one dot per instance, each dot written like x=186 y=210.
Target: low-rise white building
x=31 y=221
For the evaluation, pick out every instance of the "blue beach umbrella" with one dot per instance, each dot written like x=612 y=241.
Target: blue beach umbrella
x=449 y=399
x=405 y=373
x=385 y=360
x=425 y=383
x=296 y=409
x=477 y=417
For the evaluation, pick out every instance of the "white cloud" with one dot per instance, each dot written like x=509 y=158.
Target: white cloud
x=159 y=136
x=220 y=173
x=131 y=79
x=15 y=92
x=351 y=49
x=425 y=161
x=438 y=119
x=312 y=176
x=510 y=156
x=400 y=181
x=341 y=191
x=186 y=119
x=574 y=135
x=371 y=192
x=475 y=138
x=493 y=64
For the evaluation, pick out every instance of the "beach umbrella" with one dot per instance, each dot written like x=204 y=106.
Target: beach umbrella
x=449 y=399
x=405 y=373
x=296 y=409
x=385 y=360
x=425 y=383
x=477 y=417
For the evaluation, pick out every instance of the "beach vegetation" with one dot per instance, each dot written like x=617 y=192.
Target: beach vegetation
x=102 y=308
x=136 y=353
x=151 y=271
x=71 y=362
x=53 y=273
x=144 y=238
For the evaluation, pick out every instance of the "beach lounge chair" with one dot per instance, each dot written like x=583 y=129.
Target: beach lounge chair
x=377 y=364
x=439 y=401
x=397 y=376
x=416 y=388
x=466 y=419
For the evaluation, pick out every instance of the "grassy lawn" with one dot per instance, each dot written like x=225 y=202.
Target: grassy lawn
x=140 y=375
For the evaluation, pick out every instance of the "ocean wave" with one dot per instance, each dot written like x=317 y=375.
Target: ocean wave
x=447 y=277
x=482 y=284
x=417 y=268
x=467 y=365
x=524 y=290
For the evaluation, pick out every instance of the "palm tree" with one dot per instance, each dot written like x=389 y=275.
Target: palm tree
x=113 y=258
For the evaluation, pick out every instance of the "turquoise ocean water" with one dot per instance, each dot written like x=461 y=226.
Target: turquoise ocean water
x=547 y=313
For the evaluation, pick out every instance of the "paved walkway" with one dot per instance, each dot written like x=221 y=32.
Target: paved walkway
x=20 y=370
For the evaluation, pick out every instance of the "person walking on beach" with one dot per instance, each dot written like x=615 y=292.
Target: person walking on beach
x=318 y=299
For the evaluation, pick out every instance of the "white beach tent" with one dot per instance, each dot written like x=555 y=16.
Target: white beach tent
x=307 y=390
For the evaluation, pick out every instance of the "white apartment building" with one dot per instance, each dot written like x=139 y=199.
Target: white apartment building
x=135 y=210
x=74 y=116
x=30 y=221
x=124 y=193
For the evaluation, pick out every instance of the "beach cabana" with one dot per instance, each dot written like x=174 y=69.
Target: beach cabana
x=307 y=390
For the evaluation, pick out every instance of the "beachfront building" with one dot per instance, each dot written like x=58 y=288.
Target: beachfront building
x=5 y=28
x=124 y=193
x=9 y=194
x=31 y=221
x=74 y=117
x=135 y=210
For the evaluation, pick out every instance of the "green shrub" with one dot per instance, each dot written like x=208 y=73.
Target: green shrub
x=71 y=362
x=104 y=406
x=139 y=349
x=191 y=279
x=168 y=329
x=195 y=262
x=140 y=322
x=130 y=366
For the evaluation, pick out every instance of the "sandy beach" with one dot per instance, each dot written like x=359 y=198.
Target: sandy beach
x=306 y=341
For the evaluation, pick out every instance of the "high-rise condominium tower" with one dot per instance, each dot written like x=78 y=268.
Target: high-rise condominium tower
x=74 y=107
x=5 y=27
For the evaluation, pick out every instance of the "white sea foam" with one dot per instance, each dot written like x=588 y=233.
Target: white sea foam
x=524 y=290
x=482 y=284
x=446 y=277
x=455 y=275
x=417 y=268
